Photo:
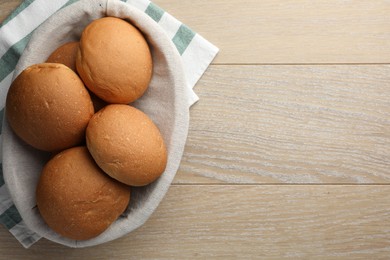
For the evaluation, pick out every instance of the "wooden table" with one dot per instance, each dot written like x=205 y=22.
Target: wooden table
x=288 y=153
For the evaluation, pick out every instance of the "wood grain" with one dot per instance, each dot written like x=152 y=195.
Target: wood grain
x=290 y=31
x=290 y=124
x=242 y=222
x=6 y=6
x=270 y=31
x=259 y=128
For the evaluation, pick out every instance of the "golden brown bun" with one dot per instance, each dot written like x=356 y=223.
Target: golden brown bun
x=65 y=54
x=114 y=60
x=76 y=198
x=48 y=107
x=126 y=144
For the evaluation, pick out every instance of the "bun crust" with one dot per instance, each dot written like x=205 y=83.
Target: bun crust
x=48 y=107
x=127 y=145
x=65 y=54
x=76 y=198
x=114 y=60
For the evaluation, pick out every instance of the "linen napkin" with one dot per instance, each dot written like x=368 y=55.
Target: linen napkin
x=196 y=54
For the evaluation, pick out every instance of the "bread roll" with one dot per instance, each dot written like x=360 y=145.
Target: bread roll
x=76 y=199
x=114 y=60
x=126 y=144
x=65 y=54
x=48 y=107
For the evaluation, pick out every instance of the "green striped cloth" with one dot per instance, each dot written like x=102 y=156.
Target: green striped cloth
x=15 y=32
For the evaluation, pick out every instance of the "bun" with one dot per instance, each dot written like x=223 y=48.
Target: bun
x=114 y=60
x=65 y=54
x=48 y=107
x=126 y=144
x=76 y=199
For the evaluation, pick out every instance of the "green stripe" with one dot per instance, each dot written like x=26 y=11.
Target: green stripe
x=11 y=57
x=154 y=12
x=10 y=217
x=17 y=11
x=29 y=240
x=182 y=38
x=23 y=6
x=9 y=60
x=1 y=175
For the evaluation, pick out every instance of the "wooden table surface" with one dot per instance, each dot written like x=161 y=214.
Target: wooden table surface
x=288 y=153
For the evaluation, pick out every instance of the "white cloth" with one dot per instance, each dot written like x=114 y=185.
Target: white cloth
x=180 y=57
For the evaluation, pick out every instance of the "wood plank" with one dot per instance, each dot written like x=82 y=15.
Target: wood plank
x=285 y=31
x=6 y=7
x=290 y=124
x=259 y=221
x=275 y=31
x=280 y=31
